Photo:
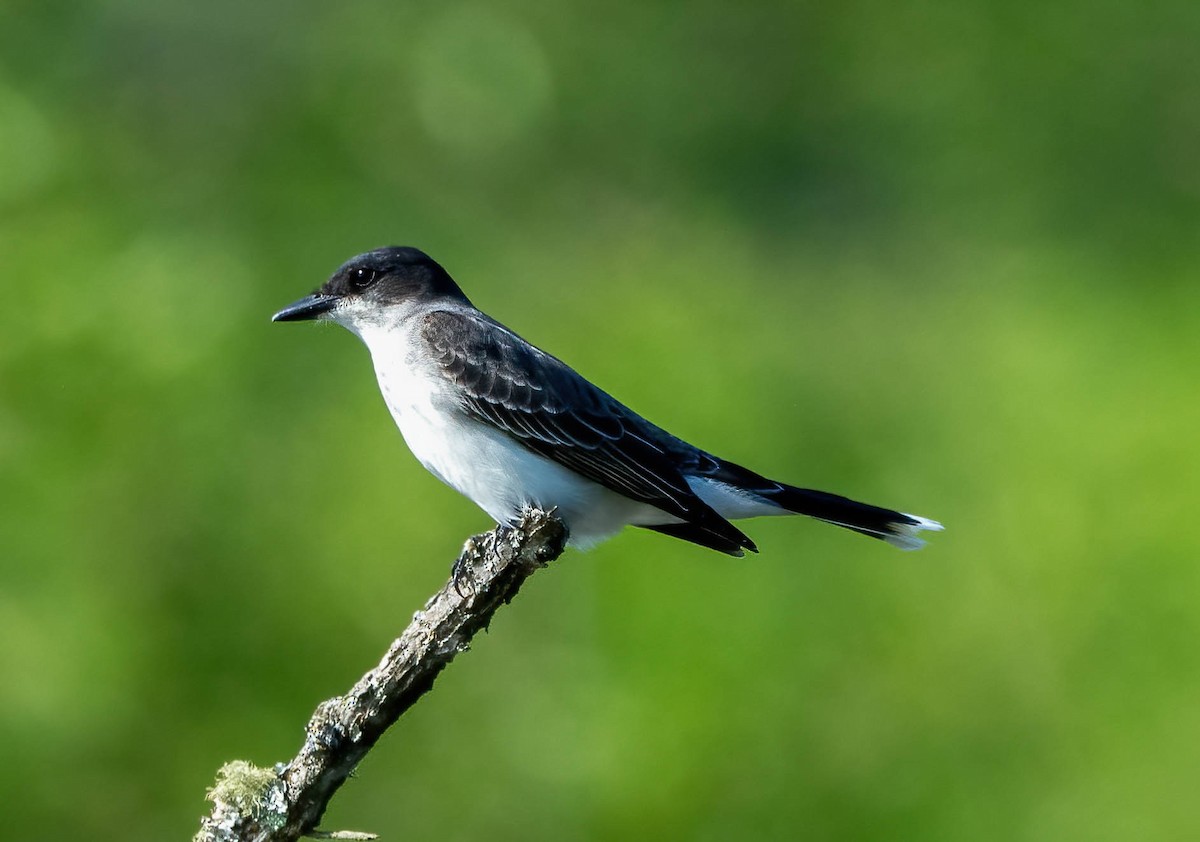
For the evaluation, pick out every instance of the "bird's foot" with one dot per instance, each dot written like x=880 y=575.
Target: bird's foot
x=460 y=572
x=553 y=549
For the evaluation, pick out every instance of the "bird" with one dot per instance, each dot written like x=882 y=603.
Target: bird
x=512 y=427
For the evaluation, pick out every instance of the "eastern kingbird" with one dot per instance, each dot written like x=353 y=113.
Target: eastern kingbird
x=511 y=427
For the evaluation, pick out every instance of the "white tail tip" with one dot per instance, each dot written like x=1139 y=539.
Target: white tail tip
x=904 y=535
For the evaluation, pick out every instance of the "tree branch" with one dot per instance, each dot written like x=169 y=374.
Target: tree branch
x=285 y=803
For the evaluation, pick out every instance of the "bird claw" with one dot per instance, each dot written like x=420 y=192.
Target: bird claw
x=461 y=576
x=460 y=571
x=552 y=550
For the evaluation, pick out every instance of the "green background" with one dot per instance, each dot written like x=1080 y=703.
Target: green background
x=941 y=257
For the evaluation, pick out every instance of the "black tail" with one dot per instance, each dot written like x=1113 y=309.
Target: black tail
x=897 y=528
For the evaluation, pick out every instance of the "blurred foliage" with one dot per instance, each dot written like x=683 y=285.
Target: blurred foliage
x=937 y=256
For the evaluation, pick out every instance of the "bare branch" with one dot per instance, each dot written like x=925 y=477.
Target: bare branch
x=285 y=803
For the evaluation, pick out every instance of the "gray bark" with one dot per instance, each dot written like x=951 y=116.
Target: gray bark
x=287 y=802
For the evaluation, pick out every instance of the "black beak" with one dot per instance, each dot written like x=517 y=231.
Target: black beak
x=310 y=307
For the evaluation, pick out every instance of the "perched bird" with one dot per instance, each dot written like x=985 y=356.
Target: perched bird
x=511 y=426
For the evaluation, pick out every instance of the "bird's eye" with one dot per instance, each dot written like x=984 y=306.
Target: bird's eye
x=361 y=277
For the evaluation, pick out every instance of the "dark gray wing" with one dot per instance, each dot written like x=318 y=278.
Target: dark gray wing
x=541 y=402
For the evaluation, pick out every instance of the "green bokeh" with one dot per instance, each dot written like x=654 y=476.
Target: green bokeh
x=941 y=257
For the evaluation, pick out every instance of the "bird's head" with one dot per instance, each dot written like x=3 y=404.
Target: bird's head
x=373 y=287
